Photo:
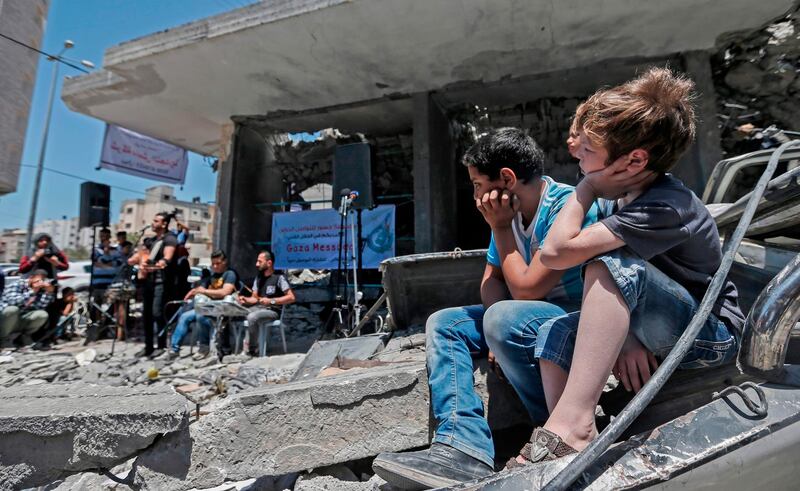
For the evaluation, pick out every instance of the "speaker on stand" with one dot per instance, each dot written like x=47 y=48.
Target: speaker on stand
x=95 y=202
x=352 y=190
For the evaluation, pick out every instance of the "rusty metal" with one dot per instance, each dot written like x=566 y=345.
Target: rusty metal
x=759 y=408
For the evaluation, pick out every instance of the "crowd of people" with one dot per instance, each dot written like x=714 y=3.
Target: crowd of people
x=34 y=314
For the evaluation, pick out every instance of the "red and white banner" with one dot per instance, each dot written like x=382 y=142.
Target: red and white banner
x=139 y=155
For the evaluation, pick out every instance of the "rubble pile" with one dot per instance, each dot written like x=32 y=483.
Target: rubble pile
x=241 y=424
x=757 y=82
x=547 y=120
x=76 y=363
x=306 y=163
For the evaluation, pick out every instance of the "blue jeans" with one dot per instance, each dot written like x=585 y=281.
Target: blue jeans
x=454 y=337
x=660 y=312
x=202 y=324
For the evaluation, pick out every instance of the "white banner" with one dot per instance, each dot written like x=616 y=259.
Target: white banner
x=139 y=155
x=310 y=239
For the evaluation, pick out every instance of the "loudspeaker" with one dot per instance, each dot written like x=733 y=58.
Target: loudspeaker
x=95 y=200
x=352 y=169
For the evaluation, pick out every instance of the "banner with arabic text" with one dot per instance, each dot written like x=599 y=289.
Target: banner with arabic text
x=310 y=239
x=139 y=155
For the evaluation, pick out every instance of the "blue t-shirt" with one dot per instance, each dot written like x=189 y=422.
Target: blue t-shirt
x=530 y=239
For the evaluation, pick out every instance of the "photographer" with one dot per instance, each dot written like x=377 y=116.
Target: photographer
x=44 y=256
x=22 y=308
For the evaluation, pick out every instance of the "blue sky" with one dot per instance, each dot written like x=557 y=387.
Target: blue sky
x=75 y=140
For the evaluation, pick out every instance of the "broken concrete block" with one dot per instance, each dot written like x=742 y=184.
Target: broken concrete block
x=330 y=483
x=272 y=369
x=293 y=427
x=279 y=429
x=324 y=353
x=51 y=431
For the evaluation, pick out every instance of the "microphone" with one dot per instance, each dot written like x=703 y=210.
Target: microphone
x=344 y=192
x=144 y=228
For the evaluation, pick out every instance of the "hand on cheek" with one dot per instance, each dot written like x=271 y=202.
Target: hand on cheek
x=498 y=208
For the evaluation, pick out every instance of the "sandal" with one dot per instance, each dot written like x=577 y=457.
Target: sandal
x=544 y=445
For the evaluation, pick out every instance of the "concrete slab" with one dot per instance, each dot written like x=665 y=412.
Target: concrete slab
x=308 y=424
x=293 y=427
x=288 y=58
x=50 y=431
x=324 y=353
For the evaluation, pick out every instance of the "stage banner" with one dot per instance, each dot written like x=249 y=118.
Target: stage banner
x=139 y=155
x=310 y=239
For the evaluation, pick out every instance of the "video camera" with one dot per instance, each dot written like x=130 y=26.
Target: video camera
x=173 y=215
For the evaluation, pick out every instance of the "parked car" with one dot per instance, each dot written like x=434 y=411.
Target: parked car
x=77 y=276
x=11 y=272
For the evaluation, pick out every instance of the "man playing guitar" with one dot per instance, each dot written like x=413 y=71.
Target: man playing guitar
x=155 y=275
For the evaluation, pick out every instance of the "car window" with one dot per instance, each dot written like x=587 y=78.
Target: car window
x=87 y=268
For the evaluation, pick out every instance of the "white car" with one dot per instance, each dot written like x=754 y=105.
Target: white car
x=77 y=276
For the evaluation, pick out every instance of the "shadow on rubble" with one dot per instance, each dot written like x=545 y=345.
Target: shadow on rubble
x=169 y=456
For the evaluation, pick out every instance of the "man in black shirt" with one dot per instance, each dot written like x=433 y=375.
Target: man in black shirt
x=219 y=284
x=270 y=292
x=155 y=270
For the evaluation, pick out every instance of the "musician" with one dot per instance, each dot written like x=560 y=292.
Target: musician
x=221 y=283
x=155 y=261
x=270 y=293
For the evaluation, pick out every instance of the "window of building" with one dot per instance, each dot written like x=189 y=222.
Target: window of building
x=128 y=225
x=206 y=215
x=129 y=210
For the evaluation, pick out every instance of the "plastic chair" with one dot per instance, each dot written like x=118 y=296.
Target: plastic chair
x=264 y=332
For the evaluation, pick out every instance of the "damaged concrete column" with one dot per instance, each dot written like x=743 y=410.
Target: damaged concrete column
x=698 y=162
x=246 y=179
x=434 y=177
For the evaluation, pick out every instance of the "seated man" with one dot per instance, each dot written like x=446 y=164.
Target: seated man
x=520 y=205
x=22 y=308
x=221 y=283
x=270 y=292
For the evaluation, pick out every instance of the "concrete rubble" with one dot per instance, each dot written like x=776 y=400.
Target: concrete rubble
x=50 y=431
x=256 y=430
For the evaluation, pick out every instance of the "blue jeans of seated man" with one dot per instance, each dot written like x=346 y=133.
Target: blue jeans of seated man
x=202 y=324
x=660 y=312
x=454 y=337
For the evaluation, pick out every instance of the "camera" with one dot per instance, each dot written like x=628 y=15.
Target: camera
x=50 y=251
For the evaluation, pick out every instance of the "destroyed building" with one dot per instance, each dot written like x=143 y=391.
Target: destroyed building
x=414 y=79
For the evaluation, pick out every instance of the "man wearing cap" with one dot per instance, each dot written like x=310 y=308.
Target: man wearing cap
x=22 y=308
x=44 y=256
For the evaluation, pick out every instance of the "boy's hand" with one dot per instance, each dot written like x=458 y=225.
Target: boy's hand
x=498 y=208
x=634 y=364
x=495 y=367
x=616 y=180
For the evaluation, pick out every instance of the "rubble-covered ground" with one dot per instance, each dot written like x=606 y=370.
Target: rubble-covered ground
x=205 y=384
